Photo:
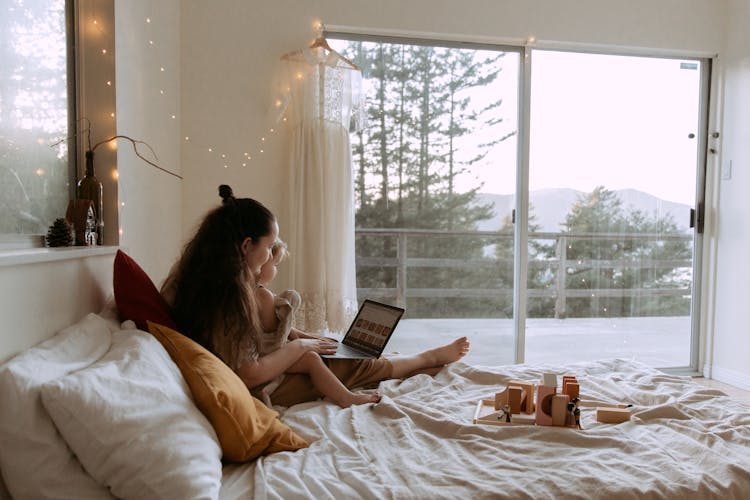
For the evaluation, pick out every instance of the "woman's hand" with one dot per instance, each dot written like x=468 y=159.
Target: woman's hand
x=319 y=345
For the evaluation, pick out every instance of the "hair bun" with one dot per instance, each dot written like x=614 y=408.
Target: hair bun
x=226 y=193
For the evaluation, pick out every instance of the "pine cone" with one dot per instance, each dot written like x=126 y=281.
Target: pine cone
x=60 y=234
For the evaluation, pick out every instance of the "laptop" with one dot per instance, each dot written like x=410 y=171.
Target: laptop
x=369 y=332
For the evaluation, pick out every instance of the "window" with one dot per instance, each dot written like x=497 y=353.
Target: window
x=35 y=112
x=587 y=247
x=438 y=155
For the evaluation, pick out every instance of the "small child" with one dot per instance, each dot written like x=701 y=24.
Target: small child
x=276 y=317
x=276 y=312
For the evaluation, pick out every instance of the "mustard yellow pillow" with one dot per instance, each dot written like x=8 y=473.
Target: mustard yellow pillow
x=245 y=426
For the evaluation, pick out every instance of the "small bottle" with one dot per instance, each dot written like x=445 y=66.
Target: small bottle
x=89 y=188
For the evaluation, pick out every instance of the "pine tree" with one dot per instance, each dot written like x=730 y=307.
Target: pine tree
x=610 y=262
x=407 y=162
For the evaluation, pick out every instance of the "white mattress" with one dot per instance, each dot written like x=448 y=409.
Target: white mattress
x=683 y=441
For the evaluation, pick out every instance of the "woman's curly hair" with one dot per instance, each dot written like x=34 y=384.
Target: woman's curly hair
x=210 y=288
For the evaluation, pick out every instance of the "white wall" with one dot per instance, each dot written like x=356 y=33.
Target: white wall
x=148 y=97
x=731 y=342
x=37 y=300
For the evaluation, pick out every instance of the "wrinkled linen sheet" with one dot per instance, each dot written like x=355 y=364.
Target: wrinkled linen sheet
x=683 y=441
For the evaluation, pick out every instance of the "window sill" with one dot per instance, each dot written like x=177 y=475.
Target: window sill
x=36 y=255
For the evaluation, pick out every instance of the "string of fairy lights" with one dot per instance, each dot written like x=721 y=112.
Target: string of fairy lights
x=219 y=154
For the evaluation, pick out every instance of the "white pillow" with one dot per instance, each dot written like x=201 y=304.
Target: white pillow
x=131 y=421
x=34 y=459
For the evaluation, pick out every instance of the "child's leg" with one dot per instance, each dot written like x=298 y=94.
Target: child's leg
x=327 y=383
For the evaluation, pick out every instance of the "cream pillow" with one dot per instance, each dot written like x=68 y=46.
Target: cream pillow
x=34 y=459
x=246 y=428
x=130 y=420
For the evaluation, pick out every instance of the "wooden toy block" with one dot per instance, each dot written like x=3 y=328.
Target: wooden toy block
x=549 y=380
x=566 y=380
x=515 y=395
x=544 y=404
x=510 y=393
x=572 y=389
x=501 y=399
x=559 y=409
x=527 y=402
x=612 y=415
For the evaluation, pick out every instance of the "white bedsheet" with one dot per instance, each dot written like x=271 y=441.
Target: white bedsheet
x=683 y=441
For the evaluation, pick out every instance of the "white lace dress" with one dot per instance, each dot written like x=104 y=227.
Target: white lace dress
x=319 y=100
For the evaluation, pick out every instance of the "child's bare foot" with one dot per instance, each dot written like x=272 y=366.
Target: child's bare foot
x=449 y=352
x=358 y=398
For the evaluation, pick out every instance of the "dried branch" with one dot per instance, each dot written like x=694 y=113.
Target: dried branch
x=135 y=143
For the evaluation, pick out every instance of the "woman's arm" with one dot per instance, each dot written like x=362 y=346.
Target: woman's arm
x=266 y=309
x=270 y=366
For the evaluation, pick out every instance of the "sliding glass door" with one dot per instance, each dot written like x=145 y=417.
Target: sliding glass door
x=614 y=171
x=434 y=169
x=605 y=254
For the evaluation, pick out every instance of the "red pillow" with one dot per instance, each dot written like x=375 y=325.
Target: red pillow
x=136 y=295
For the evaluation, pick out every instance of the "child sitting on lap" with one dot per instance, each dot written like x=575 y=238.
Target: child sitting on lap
x=276 y=314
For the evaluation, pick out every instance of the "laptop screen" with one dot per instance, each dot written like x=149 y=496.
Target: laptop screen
x=373 y=326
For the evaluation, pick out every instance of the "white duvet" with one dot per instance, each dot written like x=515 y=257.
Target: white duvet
x=683 y=441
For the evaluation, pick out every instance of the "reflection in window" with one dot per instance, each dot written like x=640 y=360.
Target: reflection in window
x=33 y=114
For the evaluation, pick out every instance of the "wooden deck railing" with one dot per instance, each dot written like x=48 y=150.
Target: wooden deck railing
x=402 y=262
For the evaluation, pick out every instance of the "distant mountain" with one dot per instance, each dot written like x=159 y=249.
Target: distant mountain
x=551 y=206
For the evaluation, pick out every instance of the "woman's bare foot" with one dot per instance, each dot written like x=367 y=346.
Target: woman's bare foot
x=357 y=398
x=430 y=361
x=448 y=353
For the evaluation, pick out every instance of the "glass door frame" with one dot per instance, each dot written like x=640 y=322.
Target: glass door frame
x=525 y=50
x=522 y=194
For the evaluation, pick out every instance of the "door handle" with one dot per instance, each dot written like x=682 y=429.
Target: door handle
x=697 y=217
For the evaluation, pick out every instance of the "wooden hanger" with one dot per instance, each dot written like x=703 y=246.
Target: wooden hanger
x=322 y=43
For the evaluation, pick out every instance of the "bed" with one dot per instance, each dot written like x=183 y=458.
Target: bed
x=101 y=410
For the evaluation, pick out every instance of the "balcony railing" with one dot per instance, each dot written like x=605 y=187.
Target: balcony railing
x=402 y=262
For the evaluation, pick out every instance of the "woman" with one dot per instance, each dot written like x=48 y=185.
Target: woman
x=211 y=291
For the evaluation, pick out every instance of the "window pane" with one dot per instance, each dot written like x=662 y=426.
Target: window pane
x=614 y=150
x=434 y=179
x=34 y=179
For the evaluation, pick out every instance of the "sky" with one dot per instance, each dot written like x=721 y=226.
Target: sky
x=617 y=121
